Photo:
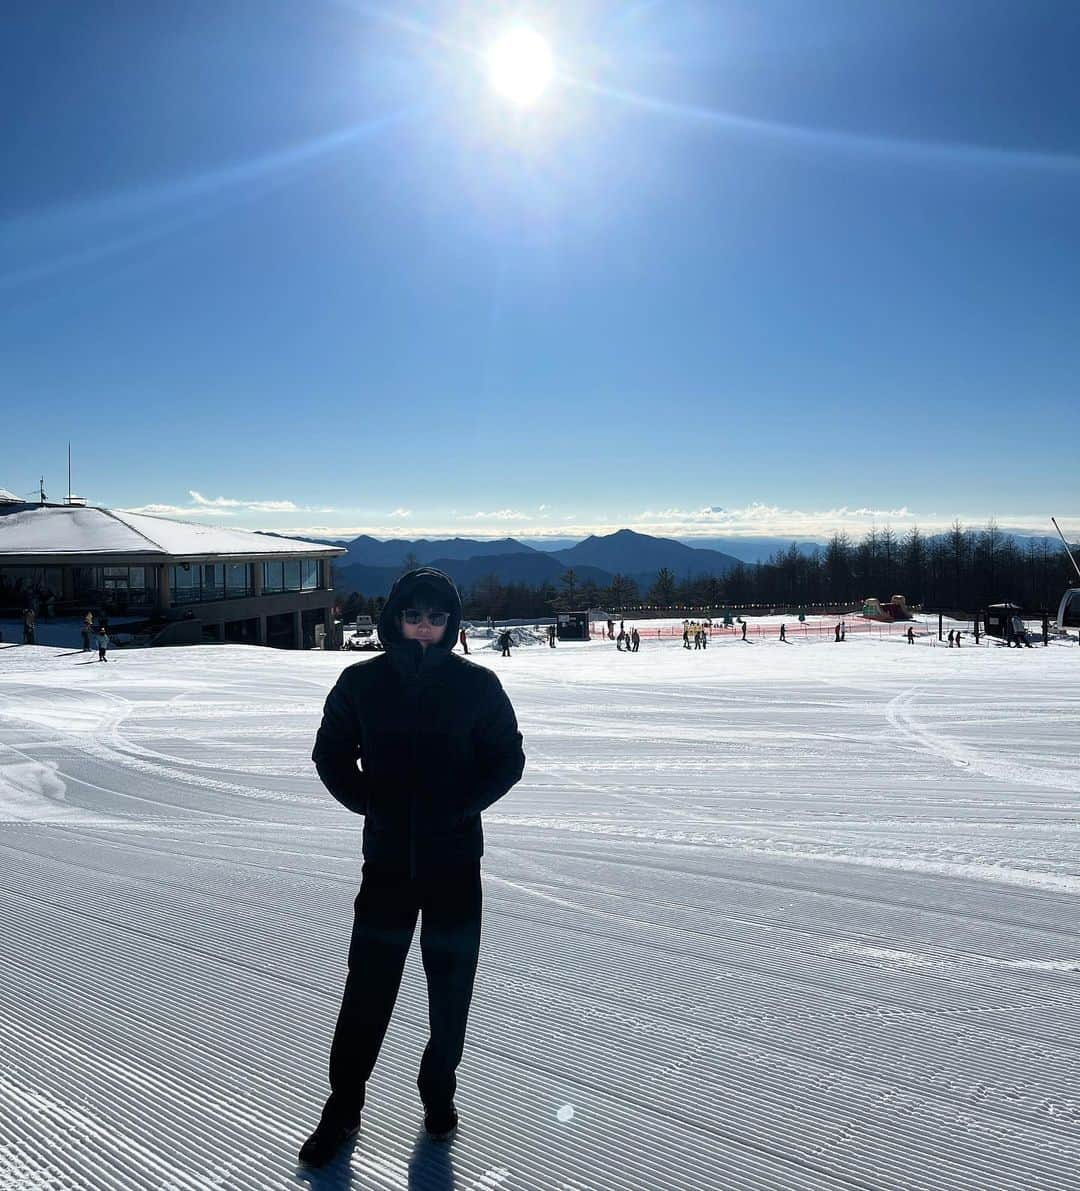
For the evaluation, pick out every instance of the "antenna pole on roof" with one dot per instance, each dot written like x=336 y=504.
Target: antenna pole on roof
x=69 y=473
x=41 y=490
x=1066 y=545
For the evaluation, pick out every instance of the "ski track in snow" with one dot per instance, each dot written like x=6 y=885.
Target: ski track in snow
x=755 y=919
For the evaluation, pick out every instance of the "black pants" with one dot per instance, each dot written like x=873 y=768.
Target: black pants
x=449 y=902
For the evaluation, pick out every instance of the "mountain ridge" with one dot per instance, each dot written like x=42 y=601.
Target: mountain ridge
x=370 y=566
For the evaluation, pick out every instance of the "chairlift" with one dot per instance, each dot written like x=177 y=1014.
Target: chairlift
x=1068 y=616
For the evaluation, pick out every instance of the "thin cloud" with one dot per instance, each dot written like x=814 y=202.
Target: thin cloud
x=159 y=510
x=256 y=506
x=758 y=519
x=496 y=515
x=753 y=521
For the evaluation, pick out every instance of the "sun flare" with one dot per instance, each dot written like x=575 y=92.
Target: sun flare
x=520 y=66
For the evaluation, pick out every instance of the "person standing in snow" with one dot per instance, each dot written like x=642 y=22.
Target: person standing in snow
x=86 y=628
x=635 y=639
x=744 y=630
x=686 y=636
x=102 y=644
x=837 y=632
x=464 y=642
x=551 y=636
x=438 y=743
x=783 y=632
x=29 y=617
x=504 y=642
x=910 y=635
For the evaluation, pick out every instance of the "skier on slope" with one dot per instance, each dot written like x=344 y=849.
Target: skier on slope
x=438 y=743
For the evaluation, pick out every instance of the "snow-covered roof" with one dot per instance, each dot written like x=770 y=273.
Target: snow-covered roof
x=9 y=498
x=41 y=530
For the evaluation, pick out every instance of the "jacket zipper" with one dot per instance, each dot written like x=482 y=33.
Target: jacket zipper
x=412 y=787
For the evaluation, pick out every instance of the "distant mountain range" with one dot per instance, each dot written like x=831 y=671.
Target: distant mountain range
x=371 y=566
x=368 y=551
x=627 y=552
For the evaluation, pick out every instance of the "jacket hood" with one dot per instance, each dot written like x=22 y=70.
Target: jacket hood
x=400 y=595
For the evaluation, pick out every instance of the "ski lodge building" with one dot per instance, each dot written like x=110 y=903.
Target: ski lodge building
x=185 y=583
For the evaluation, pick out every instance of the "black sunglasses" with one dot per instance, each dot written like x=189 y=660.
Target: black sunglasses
x=435 y=619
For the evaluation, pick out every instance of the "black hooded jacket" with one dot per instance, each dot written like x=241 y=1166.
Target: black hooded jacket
x=435 y=735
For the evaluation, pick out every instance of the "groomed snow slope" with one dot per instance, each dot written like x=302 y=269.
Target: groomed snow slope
x=764 y=917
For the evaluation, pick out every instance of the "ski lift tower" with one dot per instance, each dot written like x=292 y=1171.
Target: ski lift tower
x=1068 y=616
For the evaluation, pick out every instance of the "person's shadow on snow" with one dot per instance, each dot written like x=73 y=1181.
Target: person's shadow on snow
x=337 y=1175
x=430 y=1168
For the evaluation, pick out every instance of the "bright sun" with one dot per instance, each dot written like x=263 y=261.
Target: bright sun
x=520 y=66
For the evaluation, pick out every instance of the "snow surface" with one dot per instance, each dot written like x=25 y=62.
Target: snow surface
x=56 y=529
x=761 y=917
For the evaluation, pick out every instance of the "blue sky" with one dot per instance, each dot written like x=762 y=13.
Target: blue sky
x=770 y=267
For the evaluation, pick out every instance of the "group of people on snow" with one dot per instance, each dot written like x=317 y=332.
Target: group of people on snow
x=630 y=642
x=89 y=630
x=96 y=632
x=1015 y=634
x=700 y=632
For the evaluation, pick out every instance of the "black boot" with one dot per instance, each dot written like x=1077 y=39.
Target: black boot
x=440 y=1120
x=328 y=1138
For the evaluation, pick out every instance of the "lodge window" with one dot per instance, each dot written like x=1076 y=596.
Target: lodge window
x=193 y=583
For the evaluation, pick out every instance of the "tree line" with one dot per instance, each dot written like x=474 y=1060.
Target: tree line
x=961 y=570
